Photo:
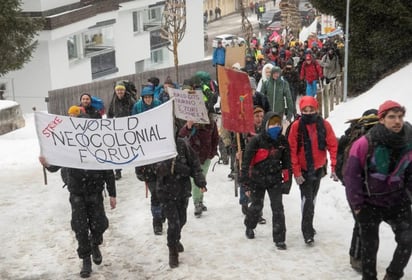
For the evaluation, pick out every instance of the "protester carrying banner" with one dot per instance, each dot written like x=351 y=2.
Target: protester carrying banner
x=89 y=220
x=145 y=173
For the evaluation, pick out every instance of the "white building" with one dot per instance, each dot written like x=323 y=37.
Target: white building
x=85 y=41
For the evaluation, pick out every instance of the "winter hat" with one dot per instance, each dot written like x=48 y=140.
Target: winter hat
x=74 y=110
x=85 y=93
x=120 y=86
x=389 y=105
x=257 y=110
x=236 y=66
x=147 y=91
x=276 y=69
x=275 y=120
x=308 y=101
x=154 y=80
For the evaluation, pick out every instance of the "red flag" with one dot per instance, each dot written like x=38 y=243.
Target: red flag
x=236 y=100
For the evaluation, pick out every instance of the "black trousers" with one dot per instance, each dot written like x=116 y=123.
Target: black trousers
x=175 y=212
x=399 y=217
x=155 y=206
x=355 y=245
x=308 y=192
x=89 y=221
x=278 y=214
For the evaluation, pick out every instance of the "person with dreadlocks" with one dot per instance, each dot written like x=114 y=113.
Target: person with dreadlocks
x=378 y=181
x=310 y=137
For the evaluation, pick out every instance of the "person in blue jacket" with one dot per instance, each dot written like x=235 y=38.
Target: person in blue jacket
x=219 y=55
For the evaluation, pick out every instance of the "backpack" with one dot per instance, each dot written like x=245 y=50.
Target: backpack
x=98 y=104
x=130 y=88
x=358 y=127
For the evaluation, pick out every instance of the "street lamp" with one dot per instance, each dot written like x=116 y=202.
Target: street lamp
x=345 y=70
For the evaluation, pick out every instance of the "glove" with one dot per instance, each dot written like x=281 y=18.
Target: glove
x=299 y=180
x=334 y=177
x=285 y=175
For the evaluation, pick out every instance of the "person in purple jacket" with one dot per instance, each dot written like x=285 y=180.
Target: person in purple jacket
x=378 y=179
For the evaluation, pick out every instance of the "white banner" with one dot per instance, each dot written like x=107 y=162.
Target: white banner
x=107 y=143
x=189 y=105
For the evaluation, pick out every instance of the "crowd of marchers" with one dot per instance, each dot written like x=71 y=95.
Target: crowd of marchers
x=291 y=140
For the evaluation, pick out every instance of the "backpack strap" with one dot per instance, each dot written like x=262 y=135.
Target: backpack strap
x=365 y=167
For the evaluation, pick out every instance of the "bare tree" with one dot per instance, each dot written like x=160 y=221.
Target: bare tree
x=174 y=27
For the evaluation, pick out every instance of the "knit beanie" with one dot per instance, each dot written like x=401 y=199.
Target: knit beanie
x=275 y=120
x=74 y=110
x=120 y=86
x=389 y=105
x=308 y=101
x=147 y=91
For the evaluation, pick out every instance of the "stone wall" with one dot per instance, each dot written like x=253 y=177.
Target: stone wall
x=11 y=118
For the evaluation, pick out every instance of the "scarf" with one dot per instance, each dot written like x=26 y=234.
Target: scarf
x=307 y=142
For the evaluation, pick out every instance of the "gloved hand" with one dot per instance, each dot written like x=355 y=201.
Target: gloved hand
x=299 y=180
x=334 y=177
x=285 y=175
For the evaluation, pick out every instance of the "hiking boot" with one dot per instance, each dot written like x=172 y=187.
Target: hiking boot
x=173 y=257
x=231 y=175
x=388 y=277
x=198 y=210
x=96 y=254
x=86 y=268
x=244 y=209
x=310 y=241
x=204 y=208
x=250 y=234
x=180 y=247
x=356 y=264
x=158 y=229
x=262 y=220
x=118 y=175
x=280 y=245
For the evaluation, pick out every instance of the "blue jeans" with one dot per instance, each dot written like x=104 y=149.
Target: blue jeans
x=311 y=88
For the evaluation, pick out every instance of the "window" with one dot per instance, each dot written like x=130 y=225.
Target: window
x=98 y=39
x=73 y=47
x=137 y=21
x=156 y=57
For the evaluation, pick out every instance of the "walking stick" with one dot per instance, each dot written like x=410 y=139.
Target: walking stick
x=44 y=168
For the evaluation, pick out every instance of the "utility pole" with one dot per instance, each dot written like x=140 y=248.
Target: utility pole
x=345 y=70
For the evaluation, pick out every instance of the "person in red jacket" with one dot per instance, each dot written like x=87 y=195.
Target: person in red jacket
x=311 y=72
x=310 y=137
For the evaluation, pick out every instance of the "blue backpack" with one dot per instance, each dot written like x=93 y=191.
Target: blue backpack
x=98 y=104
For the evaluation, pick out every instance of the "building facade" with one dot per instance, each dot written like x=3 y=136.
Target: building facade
x=89 y=40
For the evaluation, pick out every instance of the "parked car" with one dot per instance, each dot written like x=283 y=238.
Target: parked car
x=228 y=40
x=268 y=17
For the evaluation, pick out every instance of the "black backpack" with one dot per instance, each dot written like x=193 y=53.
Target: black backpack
x=358 y=127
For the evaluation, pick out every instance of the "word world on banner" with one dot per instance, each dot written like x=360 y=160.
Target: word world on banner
x=107 y=143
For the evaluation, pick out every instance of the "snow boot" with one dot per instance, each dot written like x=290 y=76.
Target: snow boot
x=281 y=245
x=250 y=234
x=310 y=241
x=204 y=208
x=180 y=247
x=262 y=220
x=86 y=268
x=173 y=257
x=96 y=254
x=356 y=264
x=118 y=174
x=198 y=210
x=157 y=226
x=388 y=277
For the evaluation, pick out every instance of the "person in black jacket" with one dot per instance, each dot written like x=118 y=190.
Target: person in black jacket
x=89 y=110
x=89 y=220
x=173 y=188
x=266 y=167
x=120 y=106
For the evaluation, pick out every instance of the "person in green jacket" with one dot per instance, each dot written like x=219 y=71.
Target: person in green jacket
x=278 y=92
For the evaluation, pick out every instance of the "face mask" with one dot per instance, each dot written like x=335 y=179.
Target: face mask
x=309 y=118
x=274 y=132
